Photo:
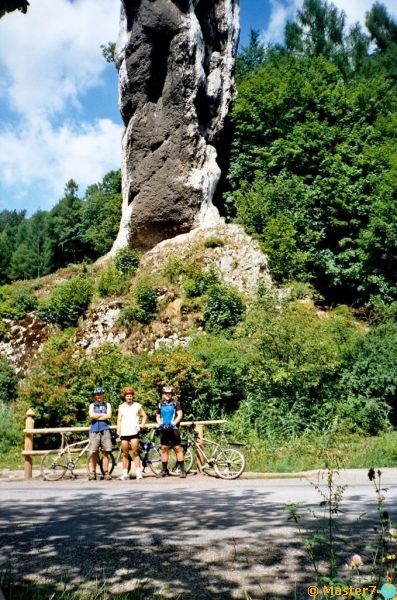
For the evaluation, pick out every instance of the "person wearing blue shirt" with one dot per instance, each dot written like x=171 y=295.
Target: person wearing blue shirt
x=100 y=413
x=169 y=415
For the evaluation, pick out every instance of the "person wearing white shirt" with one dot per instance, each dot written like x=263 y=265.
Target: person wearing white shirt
x=130 y=419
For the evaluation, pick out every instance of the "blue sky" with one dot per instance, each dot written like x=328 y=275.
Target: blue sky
x=58 y=97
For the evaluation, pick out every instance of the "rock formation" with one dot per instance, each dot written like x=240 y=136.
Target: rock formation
x=176 y=63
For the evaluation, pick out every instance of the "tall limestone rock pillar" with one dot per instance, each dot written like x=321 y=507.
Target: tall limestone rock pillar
x=176 y=63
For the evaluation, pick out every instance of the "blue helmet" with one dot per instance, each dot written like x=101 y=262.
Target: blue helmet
x=99 y=390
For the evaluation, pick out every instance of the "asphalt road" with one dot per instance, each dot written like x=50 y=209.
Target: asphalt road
x=193 y=539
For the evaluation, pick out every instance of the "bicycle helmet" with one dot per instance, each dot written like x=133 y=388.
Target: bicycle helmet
x=99 y=390
x=167 y=389
x=128 y=390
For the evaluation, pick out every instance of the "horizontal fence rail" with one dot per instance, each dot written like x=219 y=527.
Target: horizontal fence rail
x=28 y=452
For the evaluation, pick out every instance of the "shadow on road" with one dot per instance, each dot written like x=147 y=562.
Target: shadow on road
x=214 y=548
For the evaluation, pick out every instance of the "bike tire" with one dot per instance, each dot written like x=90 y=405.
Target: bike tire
x=173 y=466
x=154 y=461
x=229 y=463
x=53 y=465
x=112 y=463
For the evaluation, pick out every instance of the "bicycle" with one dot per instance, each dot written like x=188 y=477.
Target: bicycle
x=55 y=463
x=149 y=455
x=227 y=462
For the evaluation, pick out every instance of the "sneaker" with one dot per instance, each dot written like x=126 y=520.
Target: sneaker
x=182 y=475
x=139 y=474
x=107 y=477
x=124 y=477
x=165 y=473
x=92 y=477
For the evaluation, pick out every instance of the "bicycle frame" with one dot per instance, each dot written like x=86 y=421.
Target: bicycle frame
x=70 y=449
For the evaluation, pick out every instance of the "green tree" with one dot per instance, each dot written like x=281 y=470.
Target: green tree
x=304 y=131
x=101 y=213
x=318 y=30
x=66 y=229
x=251 y=57
x=7 y=6
x=381 y=26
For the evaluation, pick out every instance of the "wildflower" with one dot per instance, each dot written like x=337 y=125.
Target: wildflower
x=389 y=558
x=371 y=474
x=393 y=532
x=356 y=561
x=381 y=498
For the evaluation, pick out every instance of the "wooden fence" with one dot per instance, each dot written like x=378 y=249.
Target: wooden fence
x=29 y=453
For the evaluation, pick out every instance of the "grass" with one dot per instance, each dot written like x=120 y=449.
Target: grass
x=302 y=454
x=31 y=591
x=309 y=452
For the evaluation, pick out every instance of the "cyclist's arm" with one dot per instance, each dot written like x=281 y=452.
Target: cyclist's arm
x=143 y=416
x=118 y=426
x=177 y=418
x=158 y=418
x=100 y=416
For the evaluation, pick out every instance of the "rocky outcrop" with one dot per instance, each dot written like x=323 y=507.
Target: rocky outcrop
x=235 y=255
x=176 y=62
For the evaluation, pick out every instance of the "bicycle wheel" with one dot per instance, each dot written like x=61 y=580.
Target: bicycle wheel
x=53 y=465
x=154 y=460
x=112 y=463
x=173 y=466
x=229 y=463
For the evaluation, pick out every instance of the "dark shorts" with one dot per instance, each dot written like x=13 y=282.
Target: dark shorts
x=128 y=438
x=170 y=437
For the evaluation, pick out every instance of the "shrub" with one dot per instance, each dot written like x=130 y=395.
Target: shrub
x=112 y=282
x=175 y=266
x=16 y=300
x=143 y=308
x=8 y=381
x=127 y=316
x=224 y=308
x=146 y=301
x=68 y=302
x=10 y=429
x=127 y=261
x=199 y=281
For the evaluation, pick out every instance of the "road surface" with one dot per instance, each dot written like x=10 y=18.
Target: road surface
x=194 y=539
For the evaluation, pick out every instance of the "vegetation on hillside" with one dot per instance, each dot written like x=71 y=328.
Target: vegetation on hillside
x=314 y=171
x=313 y=177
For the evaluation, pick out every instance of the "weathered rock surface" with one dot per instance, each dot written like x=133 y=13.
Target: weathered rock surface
x=23 y=341
x=176 y=63
x=236 y=256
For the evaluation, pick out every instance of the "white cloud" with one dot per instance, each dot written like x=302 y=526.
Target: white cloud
x=283 y=10
x=50 y=66
x=84 y=153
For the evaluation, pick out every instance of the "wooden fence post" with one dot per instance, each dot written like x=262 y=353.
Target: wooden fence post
x=29 y=424
x=199 y=427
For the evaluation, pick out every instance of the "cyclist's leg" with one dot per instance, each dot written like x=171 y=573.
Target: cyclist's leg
x=106 y=444
x=93 y=452
x=134 y=444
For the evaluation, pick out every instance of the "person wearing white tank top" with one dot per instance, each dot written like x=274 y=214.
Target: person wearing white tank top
x=131 y=417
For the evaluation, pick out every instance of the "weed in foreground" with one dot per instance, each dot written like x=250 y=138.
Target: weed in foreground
x=325 y=548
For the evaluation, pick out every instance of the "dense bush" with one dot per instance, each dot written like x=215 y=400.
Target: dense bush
x=368 y=379
x=11 y=435
x=127 y=260
x=224 y=307
x=143 y=308
x=68 y=302
x=8 y=382
x=112 y=282
x=16 y=300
